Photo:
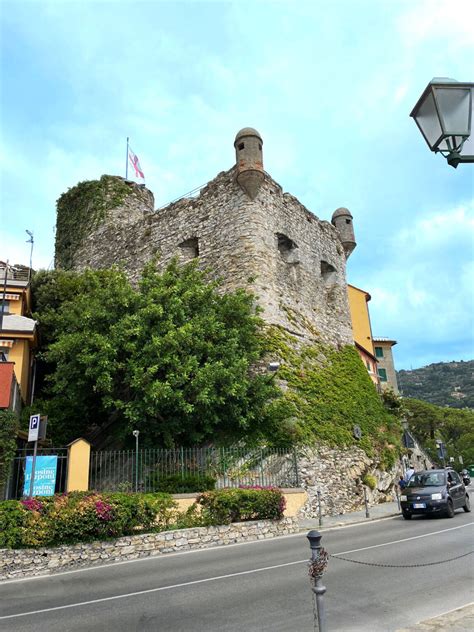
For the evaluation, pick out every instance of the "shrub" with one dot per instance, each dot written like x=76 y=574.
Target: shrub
x=370 y=481
x=224 y=506
x=12 y=519
x=178 y=484
x=192 y=517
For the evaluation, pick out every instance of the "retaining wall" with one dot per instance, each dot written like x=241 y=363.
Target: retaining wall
x=44 y=561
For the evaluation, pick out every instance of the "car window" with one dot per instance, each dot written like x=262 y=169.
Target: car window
x=455 y=478
x=427 y=479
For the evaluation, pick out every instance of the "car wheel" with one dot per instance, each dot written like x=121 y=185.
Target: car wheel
x=450 y=510
x=407 y=515
x=467 y=505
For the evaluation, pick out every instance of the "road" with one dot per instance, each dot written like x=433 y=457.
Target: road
x=260 y=586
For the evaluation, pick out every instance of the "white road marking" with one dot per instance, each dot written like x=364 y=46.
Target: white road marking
x=415 y=537
x=211 y=579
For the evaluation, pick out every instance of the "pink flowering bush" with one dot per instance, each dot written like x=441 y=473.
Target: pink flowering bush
x=81 y=517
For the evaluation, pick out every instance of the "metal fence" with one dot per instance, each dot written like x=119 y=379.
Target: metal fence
x=15 y=484
x=128 y=470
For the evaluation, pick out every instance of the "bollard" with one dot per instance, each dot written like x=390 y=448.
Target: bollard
x=318 y=564
x=398 y=498
x=319 y=509
x=367 y=515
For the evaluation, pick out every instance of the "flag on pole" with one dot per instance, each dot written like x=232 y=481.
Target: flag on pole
x=139 y=175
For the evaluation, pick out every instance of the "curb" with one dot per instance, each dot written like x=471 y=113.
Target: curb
x=459 y=620
x=349 y=523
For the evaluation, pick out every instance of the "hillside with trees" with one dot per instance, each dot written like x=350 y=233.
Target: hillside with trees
x=444 y=384
x=454 y=427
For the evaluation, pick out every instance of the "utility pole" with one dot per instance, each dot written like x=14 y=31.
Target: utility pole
x=3 y=297
x=30 y=241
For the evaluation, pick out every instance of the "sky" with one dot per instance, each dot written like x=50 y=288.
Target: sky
x=328 y=84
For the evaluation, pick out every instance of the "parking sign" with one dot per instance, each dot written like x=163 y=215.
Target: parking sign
x=33 y=429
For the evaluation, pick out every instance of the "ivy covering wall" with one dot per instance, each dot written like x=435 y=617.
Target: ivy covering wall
x=326 y=393
x=8 y=432
x=81 y=209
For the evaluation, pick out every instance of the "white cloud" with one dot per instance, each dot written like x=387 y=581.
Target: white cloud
x=447 y=21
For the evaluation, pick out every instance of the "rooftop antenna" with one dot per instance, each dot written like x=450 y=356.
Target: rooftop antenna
x=30 y=241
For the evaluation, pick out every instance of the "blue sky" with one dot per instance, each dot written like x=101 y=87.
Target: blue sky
x=329 y=85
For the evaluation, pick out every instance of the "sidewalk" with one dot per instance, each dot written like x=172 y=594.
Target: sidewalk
x=460 y=620
x=384 y=510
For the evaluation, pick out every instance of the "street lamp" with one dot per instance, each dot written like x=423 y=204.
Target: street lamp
x=443 y=114
x=135 y=434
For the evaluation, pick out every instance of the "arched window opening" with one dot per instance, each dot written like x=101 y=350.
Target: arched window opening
x=288 y=248
x=189 y=249
x=328 y=272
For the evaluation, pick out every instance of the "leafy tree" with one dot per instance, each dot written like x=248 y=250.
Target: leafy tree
x=452 y=426
x=171 y=358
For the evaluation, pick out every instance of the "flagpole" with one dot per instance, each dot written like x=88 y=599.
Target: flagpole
x=126 y=163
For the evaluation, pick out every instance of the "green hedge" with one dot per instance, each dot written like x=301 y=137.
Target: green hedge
x=81 y=517
x=178 y=484
x=224 y=506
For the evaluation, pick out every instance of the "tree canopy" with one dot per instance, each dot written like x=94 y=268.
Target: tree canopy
x=172 y=358
x=453 y=426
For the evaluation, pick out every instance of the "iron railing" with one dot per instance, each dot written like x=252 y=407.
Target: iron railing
x=14 y=487
x=128 y=470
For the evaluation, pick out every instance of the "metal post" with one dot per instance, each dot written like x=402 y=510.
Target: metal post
x=126 y=163
x=30 y=241
x=295 y=457
x=3 y=297
x=319 y=510
x=398 y=498
x=367 y=515
x=135 y=434
x=314 y=538
x=33 y=468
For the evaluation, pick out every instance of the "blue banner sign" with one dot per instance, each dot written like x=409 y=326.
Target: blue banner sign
x=45 y=475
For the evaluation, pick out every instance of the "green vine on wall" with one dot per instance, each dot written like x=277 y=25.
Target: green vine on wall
x=8 y=433
x=81 y=209
x=327 y=392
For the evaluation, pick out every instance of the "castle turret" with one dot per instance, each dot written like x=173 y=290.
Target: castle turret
x=342 y=220
x=249 y=160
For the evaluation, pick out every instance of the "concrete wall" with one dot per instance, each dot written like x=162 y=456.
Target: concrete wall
x=78 y=466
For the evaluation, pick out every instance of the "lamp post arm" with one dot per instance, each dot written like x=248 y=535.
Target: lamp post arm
x=454 y=158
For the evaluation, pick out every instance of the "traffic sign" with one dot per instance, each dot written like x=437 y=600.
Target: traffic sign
x=33 y=428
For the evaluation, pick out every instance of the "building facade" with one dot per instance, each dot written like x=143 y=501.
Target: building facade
x=386 y=365
x=17 y=330
x=362 y=330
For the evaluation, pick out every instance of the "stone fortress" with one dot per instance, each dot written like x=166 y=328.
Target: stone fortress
x=245 y=229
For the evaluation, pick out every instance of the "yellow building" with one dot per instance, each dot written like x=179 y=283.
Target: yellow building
x=17 y=330
x=362 y=330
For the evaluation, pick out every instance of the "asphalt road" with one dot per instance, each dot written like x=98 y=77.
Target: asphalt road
x=260 y=586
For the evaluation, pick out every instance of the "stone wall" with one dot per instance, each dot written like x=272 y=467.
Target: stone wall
x=272 y=245
x=337 y=474
x=43 y=561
